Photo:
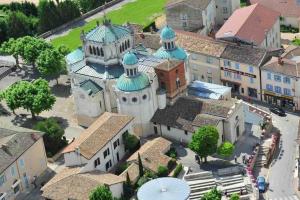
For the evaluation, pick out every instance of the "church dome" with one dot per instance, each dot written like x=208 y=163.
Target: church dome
x=136 y=83
x=130 y=59
x=167 y=33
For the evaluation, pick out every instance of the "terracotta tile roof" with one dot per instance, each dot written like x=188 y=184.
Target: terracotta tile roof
x=249 y=24
x=70 y=183
x=149 y=40
x=153 y=154
x=287 y=8
x=199 y=44
x=291 y=51
x=191 y=111
x=90 y=141
x=168 y=64
x=245 y=54
x=193 y=4
x=133 y=172
x=288 y=67
x=14 y=142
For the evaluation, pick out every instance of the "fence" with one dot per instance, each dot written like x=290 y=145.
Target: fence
x=82 y=17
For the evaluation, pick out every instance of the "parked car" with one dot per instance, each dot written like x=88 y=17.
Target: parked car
x=261 y=184
x=278 y=111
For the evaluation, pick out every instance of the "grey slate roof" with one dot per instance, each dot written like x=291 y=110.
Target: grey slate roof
x=14 y=143
x=190 y=111
x=244 y=54
x=90 y=86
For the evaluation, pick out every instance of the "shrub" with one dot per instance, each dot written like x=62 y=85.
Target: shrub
x=172 y=153
x=121 y=168
x=225 y=149
x=234 y=197
x=171 y=164
x=142 y=181
x=162 y=171
x=177 y=170
x=131 y=142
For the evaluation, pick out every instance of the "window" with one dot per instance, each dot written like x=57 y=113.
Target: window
x=269 y=76
x=237 y=66
x=116 y=143
x=128 y=43
x=184 y=24
x=277 y=78
x=250 y=69
x=209 y=59
x=169 y=128
x=2 y=179
x=287 y=80
x=124 y=99
x=98 y=51
x=134 y=99
x=251 y=80
x=94 y=51
x=242 y=90
x=185 y=132
x=278 y=89
x=227 y=74
x=101 y=51
x=12 y=171
x=91 y=50
x=269 y=87
x=106 y=153
x=21 y=162
x=169 y=46
x=225 y=11
x=97 y=162
x=227 y=63
x=144 y=97
x=287 y=92
x=237 y=76
x=108 y=165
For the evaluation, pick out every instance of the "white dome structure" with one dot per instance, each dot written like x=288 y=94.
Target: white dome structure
x=164 y=189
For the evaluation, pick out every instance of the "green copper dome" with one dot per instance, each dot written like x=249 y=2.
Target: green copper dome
x=177 y=53
x=129 y=84
x=130 y=59
x=167 y=33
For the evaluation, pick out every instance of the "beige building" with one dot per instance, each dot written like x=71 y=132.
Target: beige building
x=179 y=121
x=240 y=70
x=22 y=159
x=204 y=56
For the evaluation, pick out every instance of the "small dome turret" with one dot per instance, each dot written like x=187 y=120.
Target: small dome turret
x=130 y=59
x=167 y=33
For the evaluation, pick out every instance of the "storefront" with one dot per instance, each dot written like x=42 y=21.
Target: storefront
x=278 y=100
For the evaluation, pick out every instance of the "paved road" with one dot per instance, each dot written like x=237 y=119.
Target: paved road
x=281 y=173
x=83 y=22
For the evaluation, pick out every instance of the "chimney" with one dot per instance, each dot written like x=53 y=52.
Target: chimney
x=280 y=61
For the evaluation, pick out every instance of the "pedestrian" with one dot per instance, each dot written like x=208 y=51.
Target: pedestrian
x=244 y=159
x=235 y=159
x=34 y=181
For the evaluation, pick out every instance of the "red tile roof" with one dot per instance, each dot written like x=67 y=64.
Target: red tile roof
x=287 y=8
x=249 y=23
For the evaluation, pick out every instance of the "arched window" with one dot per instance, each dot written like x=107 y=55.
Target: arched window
x=123 y=48
x=134 y=71
x=120 y=49
x=165 y=45
x=94 y=50
x=169 y=46
x=128 y=43
x=172 y=45
x=91 y=50
x=125 y=45
x=101 y=51
x=98 y=51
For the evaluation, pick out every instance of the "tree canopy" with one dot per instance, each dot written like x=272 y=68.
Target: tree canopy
x=234 y=197
x=33 y=96
x=101 y=193
x=205 y=141
x=51 y=63
x=226 y=149
x=214 y=194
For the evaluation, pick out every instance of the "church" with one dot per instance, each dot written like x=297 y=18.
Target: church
x=111 y=73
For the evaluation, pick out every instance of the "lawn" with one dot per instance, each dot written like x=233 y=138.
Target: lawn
x=140 y=11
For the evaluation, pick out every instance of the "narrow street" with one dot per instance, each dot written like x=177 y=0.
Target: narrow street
x=281 y=173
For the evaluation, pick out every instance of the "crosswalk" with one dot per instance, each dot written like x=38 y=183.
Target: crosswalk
x=292 y=197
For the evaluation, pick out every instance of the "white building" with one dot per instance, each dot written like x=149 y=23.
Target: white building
x=101 y=146
x=179 y=121
x=280 y=79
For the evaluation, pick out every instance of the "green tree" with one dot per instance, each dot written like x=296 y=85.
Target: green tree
x=214 y=194
x=64 y=50
x=51 y=63
x=53 y=137
x=235 y=197
x=162 y=171
x=141 y=168
x=33 y=96
x=205 y=141
x=101 y=193
x=10 y=47
x=226 y=149
x=20 y=25
x=131 y=142
x=3 y=29
x=87 y=5
x=48 y=15
x=67 y=10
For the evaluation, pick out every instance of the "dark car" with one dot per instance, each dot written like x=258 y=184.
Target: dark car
x=278 y=111
x=261 y=184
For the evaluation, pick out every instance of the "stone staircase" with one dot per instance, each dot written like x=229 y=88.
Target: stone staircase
x=261 y=159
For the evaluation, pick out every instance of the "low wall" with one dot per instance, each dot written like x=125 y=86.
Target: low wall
x=82 y=17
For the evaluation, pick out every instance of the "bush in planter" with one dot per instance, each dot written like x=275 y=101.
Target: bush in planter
x=162 y=171
x=177 y=170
